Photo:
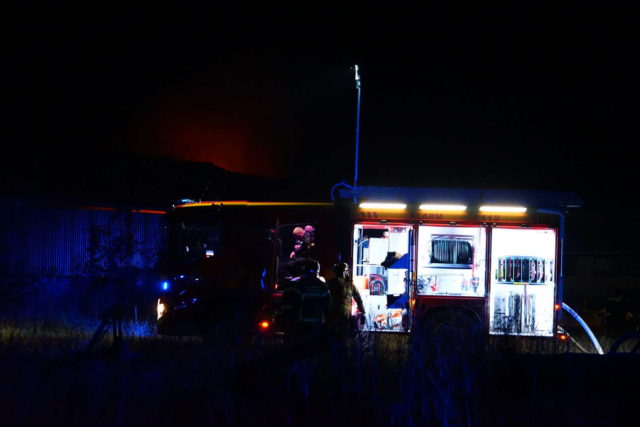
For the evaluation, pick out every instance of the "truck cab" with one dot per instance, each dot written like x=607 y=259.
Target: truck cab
x=224 y=261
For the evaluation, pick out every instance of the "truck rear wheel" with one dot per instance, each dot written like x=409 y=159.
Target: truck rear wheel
x=452 y=333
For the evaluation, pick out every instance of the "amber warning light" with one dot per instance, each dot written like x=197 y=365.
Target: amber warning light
x=264 y=325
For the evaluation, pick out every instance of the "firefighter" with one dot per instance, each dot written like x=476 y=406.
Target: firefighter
x=304 y=238
x=306 y=304
x=342 y=291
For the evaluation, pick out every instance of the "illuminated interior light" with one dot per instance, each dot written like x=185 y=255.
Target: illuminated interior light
x=264 y=325
x=502 y=209
x=443 y=207
x=383 y=205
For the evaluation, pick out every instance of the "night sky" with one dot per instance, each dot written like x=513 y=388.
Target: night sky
x=531 y=99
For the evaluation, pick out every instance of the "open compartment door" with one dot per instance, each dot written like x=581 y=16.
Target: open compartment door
x=523 y=282
x=382 y=271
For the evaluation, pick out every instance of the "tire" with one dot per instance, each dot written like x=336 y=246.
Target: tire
x=452 y=333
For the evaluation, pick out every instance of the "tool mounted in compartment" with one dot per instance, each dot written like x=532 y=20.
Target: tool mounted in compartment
x=451 y=251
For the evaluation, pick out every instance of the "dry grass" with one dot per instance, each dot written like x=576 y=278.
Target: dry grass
x=378 y=380
x=375 y=379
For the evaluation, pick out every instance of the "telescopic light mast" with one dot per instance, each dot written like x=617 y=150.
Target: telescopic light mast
x=355 y=179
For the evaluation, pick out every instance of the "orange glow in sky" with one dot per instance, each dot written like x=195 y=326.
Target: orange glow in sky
x=205 y=120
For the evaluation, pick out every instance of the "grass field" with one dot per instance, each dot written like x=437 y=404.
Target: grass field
x=373 y=380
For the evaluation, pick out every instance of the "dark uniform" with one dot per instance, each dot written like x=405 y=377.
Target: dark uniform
x=342 y=292
x=305 y=246
x=306 y=306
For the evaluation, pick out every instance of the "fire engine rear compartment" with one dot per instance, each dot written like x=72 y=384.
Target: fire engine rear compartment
x=509 y=270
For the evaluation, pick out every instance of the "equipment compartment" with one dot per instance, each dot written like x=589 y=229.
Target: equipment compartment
x=451 y=261
x=381 y=270
x=522 y=293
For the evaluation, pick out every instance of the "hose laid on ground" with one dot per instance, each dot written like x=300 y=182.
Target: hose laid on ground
x=572 y=340
x=584 y=326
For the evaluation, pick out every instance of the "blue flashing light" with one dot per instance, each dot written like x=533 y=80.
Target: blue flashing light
x=182 y=276
x=264 y=274
x=165 y=285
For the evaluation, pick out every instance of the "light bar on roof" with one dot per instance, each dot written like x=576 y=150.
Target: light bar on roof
x=443 y=207
x=502 y=209
x=372 y=205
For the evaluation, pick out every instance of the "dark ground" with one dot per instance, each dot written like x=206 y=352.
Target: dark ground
x=385 y=381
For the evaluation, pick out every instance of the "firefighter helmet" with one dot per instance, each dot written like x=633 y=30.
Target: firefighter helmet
x=341 y=270
x=311 y=266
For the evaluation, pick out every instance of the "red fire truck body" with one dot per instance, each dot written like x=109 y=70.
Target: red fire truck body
x=418 y=257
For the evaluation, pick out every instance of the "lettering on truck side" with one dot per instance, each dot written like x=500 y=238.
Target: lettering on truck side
x=426 y=216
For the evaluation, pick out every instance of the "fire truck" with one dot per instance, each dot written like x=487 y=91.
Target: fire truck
x=421 y=258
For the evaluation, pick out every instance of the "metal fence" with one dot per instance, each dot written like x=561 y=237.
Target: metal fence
x=45 y=239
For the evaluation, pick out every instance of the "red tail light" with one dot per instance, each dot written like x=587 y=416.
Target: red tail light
x=264 y=325
x=563 y=337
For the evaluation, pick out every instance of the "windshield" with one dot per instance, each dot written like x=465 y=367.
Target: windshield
x=193 y=242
